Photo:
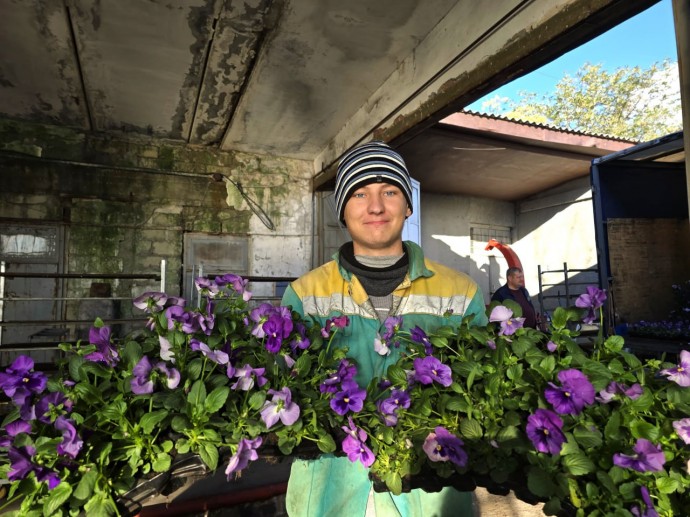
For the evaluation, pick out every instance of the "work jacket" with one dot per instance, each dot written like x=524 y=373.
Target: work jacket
x=430 y=296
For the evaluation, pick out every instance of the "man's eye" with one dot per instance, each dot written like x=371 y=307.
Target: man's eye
x=358 y=194
x=390 y=193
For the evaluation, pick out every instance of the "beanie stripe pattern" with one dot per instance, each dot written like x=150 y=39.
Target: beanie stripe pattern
x=374 y=162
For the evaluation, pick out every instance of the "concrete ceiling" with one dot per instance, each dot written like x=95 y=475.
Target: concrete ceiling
x=305 y=79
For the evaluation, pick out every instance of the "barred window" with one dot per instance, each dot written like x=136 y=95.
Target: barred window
x=481 y=233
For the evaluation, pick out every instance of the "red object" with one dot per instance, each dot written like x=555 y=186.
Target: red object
x=508 y=253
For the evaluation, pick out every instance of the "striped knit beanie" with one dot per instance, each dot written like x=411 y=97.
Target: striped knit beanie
x=374 y=162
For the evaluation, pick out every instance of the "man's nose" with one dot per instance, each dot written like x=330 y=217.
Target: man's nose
x=376 y=205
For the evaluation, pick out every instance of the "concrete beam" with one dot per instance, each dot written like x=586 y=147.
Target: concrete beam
x=458 y=62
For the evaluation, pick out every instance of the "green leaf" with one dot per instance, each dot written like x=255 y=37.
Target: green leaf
x=458 y=404
x=303 y=365
x=559 y=318
x=540 y=483
x=84 y=489
x=197 y=394
x=162 y=462
x=179 y=423
x=397 y=375
x=256 y=401
x=100 y=505
x=394 y=483
x=614 y=343
x=514 y=372
x=149 y=420
x=216 y=399
x=471 y=429
x=326 y=443
x=578 y=464
x=587 y=437
x=612 y=428
x=598 y=374
x=643 y=429
x=74 y=367
x=194 y=368
x=548 y=364
x=209 y=455
x=606 y=481
x=666 y=485
x=58 y=496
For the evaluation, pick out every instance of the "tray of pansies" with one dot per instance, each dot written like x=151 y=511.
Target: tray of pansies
x=586 y=432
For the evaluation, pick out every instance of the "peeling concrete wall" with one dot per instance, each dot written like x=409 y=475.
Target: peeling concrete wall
x=127 y=202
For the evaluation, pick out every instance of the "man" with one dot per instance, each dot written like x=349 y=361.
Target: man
x=375 y=276
x=514 y=289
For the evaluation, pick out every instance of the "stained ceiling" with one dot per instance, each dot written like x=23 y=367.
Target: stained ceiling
x=305 y=79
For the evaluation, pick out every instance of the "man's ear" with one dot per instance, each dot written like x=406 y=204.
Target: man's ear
x=409 y=212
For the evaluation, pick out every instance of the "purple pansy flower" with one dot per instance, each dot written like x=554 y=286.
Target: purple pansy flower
x=217 y=356
x=591 y=300
x=186 y=320
x=614 y=388
x=238 y=283
x=544 y=430
x=354 y=445
x=276 y=328
x=647 y=458
x=346 y=372
x=18 y=381
x=166 y=352
x=71 y=443
x=105 y=351
x=21 y=465
x=682 y=428
x=54 y=400
x=206 y=287
x=442 y=445
x=245 y=377
x=419 y=336
x=280 y=408
x=13 y=429
x=491 y=344
x=350 y=398
x=300 y=341
x=246 y=452
x=430 y=369
x=380 y=345
x=339 y=322
x=649 y=510
x=142 y=383
x=399 y=399
x=259 y=315
x=681 y=373
x=150 y=301
x=551 y=346
x=573 y=395
x=504 y=316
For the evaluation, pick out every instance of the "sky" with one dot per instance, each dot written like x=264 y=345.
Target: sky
x=640 y=41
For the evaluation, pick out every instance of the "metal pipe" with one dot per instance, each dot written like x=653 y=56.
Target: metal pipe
x=204 y=504
x=55 y=323
x=148 y=276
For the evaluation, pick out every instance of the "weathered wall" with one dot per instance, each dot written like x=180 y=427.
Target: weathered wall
x=556 y=227
x=127 y=202
x=446 y=223
x=647 y=257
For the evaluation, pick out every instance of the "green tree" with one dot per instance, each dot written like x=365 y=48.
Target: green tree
x=630 y=102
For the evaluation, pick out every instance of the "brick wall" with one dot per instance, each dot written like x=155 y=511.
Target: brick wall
x=647 y=257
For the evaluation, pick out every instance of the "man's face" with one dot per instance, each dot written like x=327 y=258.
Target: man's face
x=516 y=280
x=374 y=216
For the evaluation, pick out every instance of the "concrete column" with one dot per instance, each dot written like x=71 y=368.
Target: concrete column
x=681 y=17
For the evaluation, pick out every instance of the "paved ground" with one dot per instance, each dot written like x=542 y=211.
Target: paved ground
x=488 y=505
